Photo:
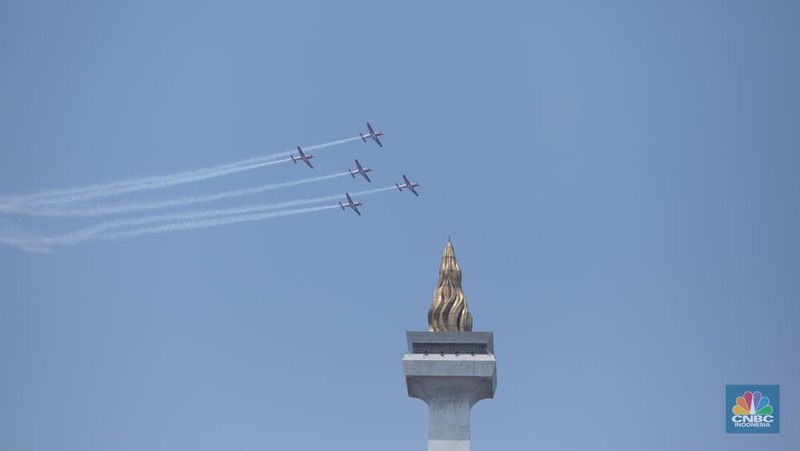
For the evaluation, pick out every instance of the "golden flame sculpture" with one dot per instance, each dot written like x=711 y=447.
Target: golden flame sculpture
x=449 y=311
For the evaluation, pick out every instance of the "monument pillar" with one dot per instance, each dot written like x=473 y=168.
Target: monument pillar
x=450 y=367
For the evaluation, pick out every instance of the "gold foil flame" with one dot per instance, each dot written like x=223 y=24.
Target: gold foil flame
x=449 y=311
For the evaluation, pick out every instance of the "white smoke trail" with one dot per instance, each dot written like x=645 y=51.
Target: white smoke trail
x=188 y=177
x=46 y=244
x=18 y=237
x=101 y=210
x=26 y=241
x=70 y=195
x=211 y=222
x=329 y=144
x=89 y=232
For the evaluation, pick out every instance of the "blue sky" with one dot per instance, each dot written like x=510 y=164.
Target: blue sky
x=619 y=179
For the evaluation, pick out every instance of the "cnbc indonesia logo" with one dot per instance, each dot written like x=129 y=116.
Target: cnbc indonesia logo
x=752 y=411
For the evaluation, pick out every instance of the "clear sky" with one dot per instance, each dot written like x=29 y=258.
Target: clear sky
x=620 y=180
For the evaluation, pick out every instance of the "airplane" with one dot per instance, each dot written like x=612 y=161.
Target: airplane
x=351 y=204
x=303 y=157
x=372 y=134
x=408 y=184
x=360 y=170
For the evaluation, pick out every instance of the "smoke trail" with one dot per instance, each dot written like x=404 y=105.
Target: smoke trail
x=154 y=205
x=332 y=143
x=89 y=232
x=154 y=183
x=218 y=221
x=18 y=237
x=69 y=195
x=46 y=244
x=33 y=243
x=212 y=222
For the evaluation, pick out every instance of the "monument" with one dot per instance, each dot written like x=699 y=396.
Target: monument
x=450 y=367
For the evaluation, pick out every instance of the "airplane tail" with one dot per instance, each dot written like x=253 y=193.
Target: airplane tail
x=351 y=173
x=399 y=187
x=363 y=138
x=340 y=204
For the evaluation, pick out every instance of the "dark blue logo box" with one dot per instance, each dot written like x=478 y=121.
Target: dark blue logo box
x=757 y=409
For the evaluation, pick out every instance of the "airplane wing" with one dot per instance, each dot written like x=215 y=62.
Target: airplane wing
x=356 y=210
x=358 y=165
x=308 y=163
x=413 y=190
x=375 y=137
x=366 y=176
x=349 y=199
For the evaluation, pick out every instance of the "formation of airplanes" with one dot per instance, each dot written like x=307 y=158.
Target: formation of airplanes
x=407 y=184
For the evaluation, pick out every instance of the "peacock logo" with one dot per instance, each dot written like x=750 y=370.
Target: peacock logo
x=752 y=403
